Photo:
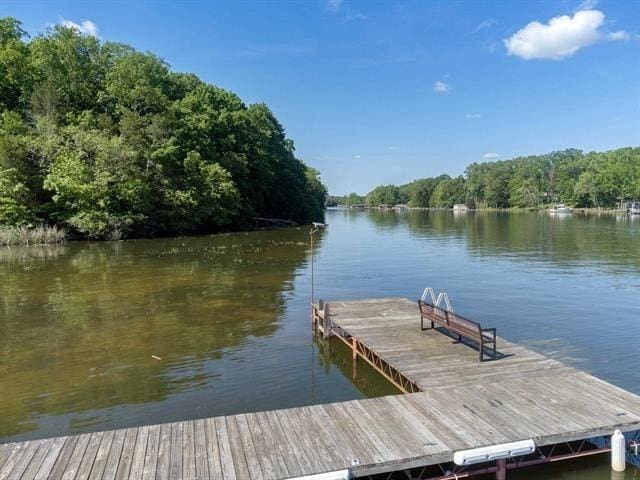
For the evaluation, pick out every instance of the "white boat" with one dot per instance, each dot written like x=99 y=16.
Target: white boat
x=560 y=208
x=635 y=208
x=460 y=207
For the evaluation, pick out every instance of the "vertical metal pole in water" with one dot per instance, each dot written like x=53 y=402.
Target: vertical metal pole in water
x=501 y=472
x=313 y=317
x=311 y=234
x=618 y=452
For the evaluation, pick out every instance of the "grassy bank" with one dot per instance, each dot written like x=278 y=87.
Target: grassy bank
x=41 y=235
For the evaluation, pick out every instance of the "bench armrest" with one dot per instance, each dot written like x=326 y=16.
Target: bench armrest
x=491 y=332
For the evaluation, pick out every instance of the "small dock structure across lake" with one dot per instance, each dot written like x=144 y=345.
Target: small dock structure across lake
x=450 y=403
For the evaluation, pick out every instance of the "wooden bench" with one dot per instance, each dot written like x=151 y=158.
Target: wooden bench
x=463 y=327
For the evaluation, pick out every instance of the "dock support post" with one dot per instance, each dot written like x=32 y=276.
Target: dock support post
x=354 y=349
x=501 y=469
x=618 y=452
x=326 y=321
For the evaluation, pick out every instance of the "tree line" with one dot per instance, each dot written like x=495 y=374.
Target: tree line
x=107 y=141
x=593 y=179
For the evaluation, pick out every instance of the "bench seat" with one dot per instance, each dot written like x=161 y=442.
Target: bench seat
x=461 y=326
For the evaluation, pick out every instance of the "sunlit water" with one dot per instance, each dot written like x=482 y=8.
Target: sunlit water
x=107 y=335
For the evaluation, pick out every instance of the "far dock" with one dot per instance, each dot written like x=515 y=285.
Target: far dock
x=451 y=403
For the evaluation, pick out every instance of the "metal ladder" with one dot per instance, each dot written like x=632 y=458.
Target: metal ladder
x=429 y=293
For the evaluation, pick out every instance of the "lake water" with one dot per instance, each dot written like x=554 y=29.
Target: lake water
x=227 y=319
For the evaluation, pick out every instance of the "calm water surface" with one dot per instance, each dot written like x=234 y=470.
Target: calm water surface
x=228 y=317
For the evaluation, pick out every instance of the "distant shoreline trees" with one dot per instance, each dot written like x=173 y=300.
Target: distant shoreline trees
x=591 y=180
x=106 y=141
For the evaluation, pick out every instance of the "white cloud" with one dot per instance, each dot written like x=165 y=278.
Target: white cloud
x=473 y=115
x=393 y=147
x=357 y=157
x=441 y=87
x=334 y=5
x=619 y=35
x=86 y=27
x=488 y=23
x=561 y=37
x=491 y=155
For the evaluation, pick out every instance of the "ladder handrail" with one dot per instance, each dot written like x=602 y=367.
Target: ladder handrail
x=436 y=301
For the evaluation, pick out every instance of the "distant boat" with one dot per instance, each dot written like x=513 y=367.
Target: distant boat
x=559 y=208
x=460 y=207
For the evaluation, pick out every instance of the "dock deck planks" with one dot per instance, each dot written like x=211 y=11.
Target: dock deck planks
x=463 y=404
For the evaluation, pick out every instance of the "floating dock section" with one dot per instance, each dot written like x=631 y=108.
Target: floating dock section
x=450 y=402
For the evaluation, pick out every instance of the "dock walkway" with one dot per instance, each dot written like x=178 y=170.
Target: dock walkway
x=458 y=403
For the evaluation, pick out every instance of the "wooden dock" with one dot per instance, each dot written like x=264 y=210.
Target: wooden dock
x=457 y=403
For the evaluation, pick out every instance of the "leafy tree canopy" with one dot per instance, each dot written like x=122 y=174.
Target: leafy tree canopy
x=107 y=141
x=594 y=179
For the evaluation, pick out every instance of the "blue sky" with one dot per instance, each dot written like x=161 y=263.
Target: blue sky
x=378 y=92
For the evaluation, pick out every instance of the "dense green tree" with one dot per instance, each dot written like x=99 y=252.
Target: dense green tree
x=13 y=199
x=346 y=200
x=14 y=72
x=595 y=179
x=68 y=71
x=386 y=195
x=107 y=141
x=354 y=199
x=448 y=192
x=420 y=191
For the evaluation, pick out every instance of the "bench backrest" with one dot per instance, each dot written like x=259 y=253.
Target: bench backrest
x=465 y=326
x=450 y=320
x=433 y=313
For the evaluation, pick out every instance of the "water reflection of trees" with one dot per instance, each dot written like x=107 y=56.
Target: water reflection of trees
x=81 y=322
x=608 y=240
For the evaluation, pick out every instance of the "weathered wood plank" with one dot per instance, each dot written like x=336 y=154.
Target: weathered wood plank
x=126 y=456
x=200 y=441
x=175 y=465
x=89 y=456
x=28 y=465
x=100 y=461
x=115 y=453
x=62 y=461
x=188 y=450
x=77 y=456
x=213 y=451
x=48 y=461
x=5 y=452
x=16 y=453
x=251 y=456
x=224 y=449
x=237 y=448
x=295 y=442
x=164 y=452
x=151 y=454
x=291 y=455
x=139 y=452
x=266 y=455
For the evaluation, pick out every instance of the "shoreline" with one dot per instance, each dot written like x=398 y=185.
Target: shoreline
x=54 y=235
x=584 y=210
